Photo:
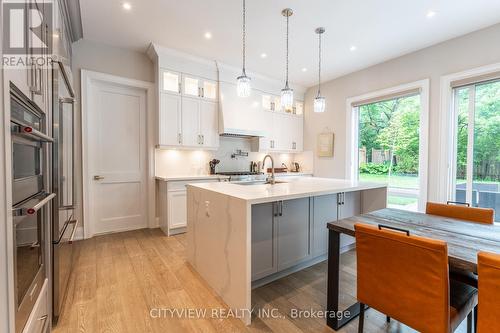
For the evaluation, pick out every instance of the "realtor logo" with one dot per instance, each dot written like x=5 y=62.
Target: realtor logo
x=27 y=32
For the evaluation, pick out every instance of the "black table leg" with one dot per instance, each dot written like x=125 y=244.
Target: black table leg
x=336 y=319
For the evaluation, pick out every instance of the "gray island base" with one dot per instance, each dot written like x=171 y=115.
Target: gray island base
x=242 y=236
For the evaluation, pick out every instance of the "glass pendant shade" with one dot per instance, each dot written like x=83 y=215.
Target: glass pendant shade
x=319 y=104
x=286 y=98
x=243 y=86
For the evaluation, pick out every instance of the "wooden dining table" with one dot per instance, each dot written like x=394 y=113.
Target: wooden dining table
x=465 y=239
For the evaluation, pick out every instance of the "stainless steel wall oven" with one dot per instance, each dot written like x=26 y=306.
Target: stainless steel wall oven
x=30 y=198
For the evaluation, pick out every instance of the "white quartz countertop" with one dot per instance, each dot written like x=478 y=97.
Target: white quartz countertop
x=188 y=177
x=201 y=177
x=292 y=189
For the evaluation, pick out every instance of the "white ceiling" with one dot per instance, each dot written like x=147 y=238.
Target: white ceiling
x=380 y=29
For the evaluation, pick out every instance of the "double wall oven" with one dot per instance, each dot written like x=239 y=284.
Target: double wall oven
x=31 y=201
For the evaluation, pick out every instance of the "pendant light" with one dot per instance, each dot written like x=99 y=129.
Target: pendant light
x=319 y=102
x=243 y=81
x=287 y=92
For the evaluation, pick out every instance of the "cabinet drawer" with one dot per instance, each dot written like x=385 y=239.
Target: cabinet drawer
x=39 y=320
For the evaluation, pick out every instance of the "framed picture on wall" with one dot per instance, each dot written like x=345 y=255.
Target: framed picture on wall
x=325 y=144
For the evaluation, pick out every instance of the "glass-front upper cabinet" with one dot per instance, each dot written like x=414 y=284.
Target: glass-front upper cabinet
x=267 y=103
x=298 y=108
x=271 y=103
x=170 y=81
x=209 y=90
x=191 y=86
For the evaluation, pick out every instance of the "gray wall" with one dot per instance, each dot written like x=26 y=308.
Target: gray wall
x=103 y=58
x=465 y=52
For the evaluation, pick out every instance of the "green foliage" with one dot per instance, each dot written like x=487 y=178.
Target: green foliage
x=486 y=132
x=374 y=169
x=393 y=125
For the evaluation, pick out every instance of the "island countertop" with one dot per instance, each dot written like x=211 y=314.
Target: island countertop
x=289 y=189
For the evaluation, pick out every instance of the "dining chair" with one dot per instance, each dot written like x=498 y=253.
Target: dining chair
x=406 y=278
x=488 y=267
x=461 y=211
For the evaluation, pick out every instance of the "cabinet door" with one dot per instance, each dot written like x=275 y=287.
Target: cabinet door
x=267 y=103
x=265 y=143
x=324 y=211
x=191 y=86
x=283 y=131
x=170 y=81
x=177 y=209
x=170 y=120
x=351 y=205
x=209 y=124
x=190 y=122
x=209 y=90
x=294 y=241
x=297 y=133
x=264 y=246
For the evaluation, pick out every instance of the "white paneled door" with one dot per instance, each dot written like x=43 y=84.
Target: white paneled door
x=116 y=157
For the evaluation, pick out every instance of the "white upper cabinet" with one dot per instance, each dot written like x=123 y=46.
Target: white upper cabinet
x=191 y=86
x=209 y=124
x=170 y=120
x=170 y=82
x=188 y=114
x=209 y=90
x=190 y=121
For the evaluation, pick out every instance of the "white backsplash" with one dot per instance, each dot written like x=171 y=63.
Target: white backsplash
x=177 y=162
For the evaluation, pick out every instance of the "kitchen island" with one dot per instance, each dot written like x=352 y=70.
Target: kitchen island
x=248 y=234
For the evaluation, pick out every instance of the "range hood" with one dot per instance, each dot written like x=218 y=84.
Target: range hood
x=240 y=117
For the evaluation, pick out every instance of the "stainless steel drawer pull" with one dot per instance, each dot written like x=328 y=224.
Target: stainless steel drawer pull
x=32 y=133
x=23 y=211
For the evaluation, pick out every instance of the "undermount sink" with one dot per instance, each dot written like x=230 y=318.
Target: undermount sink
x=261 y=182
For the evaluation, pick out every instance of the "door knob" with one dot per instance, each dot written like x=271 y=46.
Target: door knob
x=97 y=177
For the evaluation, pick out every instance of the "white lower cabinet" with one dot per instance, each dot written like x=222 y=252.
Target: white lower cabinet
x=172 y=201
x=39 y=320
x=293 y=233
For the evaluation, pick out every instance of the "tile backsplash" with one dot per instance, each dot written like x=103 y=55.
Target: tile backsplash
x=177 y=162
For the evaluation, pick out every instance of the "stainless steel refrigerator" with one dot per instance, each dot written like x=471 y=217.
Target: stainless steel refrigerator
x=64 y=224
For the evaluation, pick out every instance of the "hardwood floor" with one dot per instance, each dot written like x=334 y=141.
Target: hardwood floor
x=120 y=280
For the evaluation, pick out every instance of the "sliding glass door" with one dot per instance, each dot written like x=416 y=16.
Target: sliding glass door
x=476 y=173
x=389 y=147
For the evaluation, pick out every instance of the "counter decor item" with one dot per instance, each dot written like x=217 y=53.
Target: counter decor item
x=212 y=165
x=325 y=144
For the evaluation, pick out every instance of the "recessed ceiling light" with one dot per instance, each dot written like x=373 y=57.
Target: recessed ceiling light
x=431 y=14
x=304 y=69
x=353 y=48
x=263 y=55
x=208 y=35
x=127 y=6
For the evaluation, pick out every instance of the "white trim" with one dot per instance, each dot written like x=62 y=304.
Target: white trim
x=447 y=127
x=351 y=131
x=86 y=78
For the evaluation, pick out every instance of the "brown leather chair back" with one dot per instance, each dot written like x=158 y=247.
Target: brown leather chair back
x=474 y=214
x=404 y=277
x=488 y=269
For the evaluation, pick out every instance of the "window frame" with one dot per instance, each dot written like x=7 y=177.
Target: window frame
x=447 y=125
x=352 y=130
